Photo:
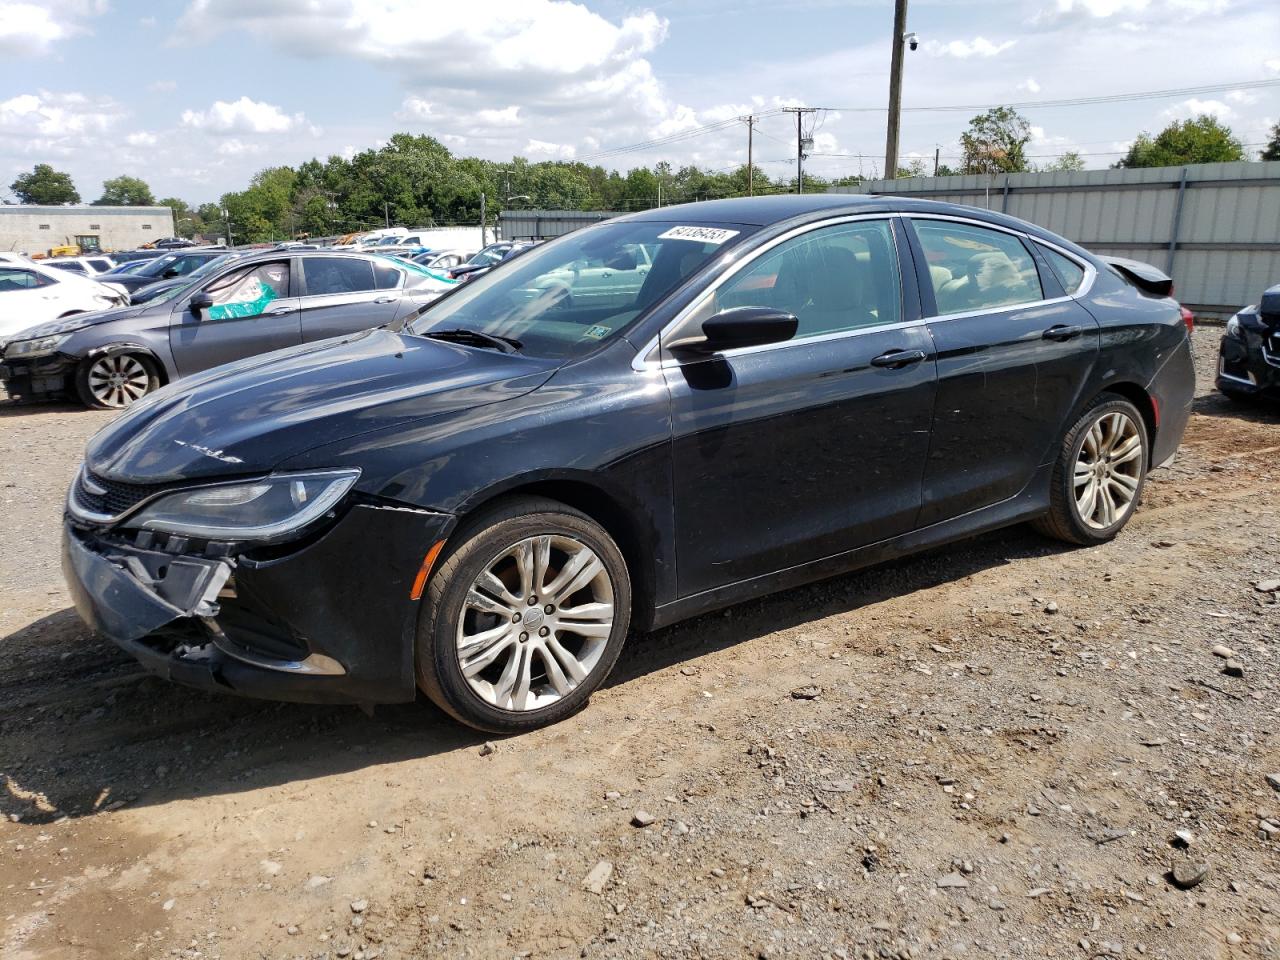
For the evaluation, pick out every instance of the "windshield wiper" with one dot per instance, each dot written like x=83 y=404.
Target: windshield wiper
x=476 y=338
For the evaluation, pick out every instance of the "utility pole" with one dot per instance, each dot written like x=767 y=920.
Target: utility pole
x=801 y=140
x=895 y=89
x=484 y=242
x=386 y=212
x=937 y=155
x=751 y=129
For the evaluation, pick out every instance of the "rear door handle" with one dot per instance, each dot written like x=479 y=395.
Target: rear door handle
x=894 y=359
x=280 y=311
x=1062 y=331
x=385 y=300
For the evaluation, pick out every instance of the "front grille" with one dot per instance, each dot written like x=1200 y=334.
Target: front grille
x=118 y=498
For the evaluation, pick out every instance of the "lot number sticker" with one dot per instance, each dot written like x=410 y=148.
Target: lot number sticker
x=699 y=234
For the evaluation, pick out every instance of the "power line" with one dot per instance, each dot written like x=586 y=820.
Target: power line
x=1080 y=101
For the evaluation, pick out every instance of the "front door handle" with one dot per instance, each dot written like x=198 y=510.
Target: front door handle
x=280 y=311
x=385 y=300
x=896 y=359
x=1062 y=331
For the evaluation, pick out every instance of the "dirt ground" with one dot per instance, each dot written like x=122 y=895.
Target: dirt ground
x=980 y=752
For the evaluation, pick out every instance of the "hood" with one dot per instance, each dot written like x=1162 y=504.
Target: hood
x=79 y=321
x=248 y=417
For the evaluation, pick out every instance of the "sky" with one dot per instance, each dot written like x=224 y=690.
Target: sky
x=195 y=97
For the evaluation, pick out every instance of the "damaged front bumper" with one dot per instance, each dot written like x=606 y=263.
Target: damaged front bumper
x=1249 y=363
x=39 y=377
x=332 y=620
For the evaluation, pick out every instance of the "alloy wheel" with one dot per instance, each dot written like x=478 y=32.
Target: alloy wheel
x=1108 y=470
x=117 y=381
x=535 y=622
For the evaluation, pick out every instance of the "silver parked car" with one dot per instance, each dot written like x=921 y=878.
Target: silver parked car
x=252 y=305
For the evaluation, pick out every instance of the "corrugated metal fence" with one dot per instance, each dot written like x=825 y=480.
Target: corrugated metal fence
x=1214 y=227
x=545 y=224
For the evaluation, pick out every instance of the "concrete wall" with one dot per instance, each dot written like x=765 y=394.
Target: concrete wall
x=1214 y=228
x=117 y=228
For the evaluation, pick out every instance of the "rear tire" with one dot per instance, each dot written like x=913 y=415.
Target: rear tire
x=492 y=659
x=113 y=381
x=1099 y=475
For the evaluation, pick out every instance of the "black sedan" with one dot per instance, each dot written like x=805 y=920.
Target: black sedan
x=1249 y=355
x=482 y=504
x=169 y=266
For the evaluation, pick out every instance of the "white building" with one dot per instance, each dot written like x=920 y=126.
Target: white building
x=28 y=228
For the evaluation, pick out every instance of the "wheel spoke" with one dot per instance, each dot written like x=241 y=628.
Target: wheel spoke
x=1125 y=484
x=555 y=676
x=524 y=563
x=541 y=563
x=1084 y=473
x=1108 y=506
x=566 y=660
x=482 y=654
x=1088 y=503
x=489 y=582
x=587 y=572
x=479 y=601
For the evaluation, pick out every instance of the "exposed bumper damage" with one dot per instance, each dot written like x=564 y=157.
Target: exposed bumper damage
x=1249 y=363
x=330 y=619
x=39 y=378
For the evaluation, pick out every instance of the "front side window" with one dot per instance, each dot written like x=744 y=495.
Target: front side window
x=1070 y=274
x=831 y=279
x=566 y=297
x=249 y=291
x=69 y=265
x=975 y=268
x=327 y=276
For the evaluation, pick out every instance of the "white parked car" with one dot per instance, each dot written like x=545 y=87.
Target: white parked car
x=32 y=293
x=89 y=265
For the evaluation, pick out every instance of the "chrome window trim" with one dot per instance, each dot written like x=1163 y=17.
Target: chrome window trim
x=641 y=361
x=1090 y=272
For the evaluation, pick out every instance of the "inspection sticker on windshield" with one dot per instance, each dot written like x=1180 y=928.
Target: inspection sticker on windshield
x=596 y=333
x=699 y=234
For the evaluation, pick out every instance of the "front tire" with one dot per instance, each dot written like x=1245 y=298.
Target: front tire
x=1099 y=475
x=113 y=381
x=524 y=618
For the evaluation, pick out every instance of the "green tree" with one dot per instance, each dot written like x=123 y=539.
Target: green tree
x=1272 y=150
x=1069 y=161
x=45 y=185
x=996 y=142
x=1198 y=140
x=186 y=222
x=125 y=191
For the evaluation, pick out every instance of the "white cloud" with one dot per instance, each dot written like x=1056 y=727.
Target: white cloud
x=963 y=49
x=57 y=114
x=163 y=86
x=242 y=116
x=542 y=149
x=31 y=29
x=1272 y=65
x=1029 y=85
x=1196 y=107
x=141 y=138
x=414 y=108
x=236 y=148
x=506 y=117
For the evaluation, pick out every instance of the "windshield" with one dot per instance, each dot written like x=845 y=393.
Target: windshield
x=564 y=298
x=157 y=266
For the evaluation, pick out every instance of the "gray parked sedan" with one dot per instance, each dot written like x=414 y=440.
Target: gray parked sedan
x=255 y=304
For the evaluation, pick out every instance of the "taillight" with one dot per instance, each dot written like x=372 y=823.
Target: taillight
x=1189 y=319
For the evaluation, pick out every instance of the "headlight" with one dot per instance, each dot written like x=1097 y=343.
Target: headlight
x=262 y=510
x=35 y=348
x=1233 y=326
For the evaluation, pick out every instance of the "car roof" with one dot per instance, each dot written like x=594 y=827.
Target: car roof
x=779 y=208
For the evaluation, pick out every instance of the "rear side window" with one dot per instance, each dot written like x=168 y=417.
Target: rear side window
x=1070 y=274
x=69 y=266
x=974 y=268
x=331 y=275
x=386 y=276
x=22 y=280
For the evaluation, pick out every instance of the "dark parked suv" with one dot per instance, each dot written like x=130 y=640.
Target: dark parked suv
x=482 y=504
x=240 y=307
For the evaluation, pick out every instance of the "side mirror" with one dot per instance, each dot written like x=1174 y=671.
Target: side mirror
x=170 y=274
x=201 y=301
x=739 y=327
